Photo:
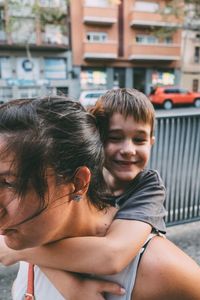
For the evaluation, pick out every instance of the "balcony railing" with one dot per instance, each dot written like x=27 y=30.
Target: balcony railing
x=143 y=19
x=100 y=15
x=55 y=39
x=106 y=50
x=154 y=52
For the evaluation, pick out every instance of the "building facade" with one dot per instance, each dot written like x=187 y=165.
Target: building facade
x=34 y=48
x=123 y=45
x=190 y=72
x=190 y=62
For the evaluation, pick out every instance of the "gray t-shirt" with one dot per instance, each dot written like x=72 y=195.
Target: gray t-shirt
x=144 y=200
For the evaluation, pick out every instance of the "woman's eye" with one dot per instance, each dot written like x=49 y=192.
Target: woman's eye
x=7 y=184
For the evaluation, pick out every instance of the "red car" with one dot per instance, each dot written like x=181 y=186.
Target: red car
x=167 y=97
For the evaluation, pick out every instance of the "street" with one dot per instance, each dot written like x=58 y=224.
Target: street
x=186 y=236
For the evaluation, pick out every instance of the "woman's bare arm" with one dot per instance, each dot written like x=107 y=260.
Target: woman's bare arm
x=98 y=255
x=168 y=273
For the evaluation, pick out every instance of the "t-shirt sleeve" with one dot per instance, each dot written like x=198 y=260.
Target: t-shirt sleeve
x=144 y=201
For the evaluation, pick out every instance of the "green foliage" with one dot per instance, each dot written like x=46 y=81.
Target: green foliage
x=46 y=15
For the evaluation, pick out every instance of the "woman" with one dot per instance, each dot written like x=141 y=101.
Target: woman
x=51 y=156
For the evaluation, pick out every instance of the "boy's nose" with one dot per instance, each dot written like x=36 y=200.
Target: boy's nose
x=128 y=149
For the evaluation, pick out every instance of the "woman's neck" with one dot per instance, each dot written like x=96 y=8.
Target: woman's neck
x=87 y=220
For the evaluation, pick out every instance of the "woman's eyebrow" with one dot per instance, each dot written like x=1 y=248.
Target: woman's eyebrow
x=115 y=130
x=7 y=173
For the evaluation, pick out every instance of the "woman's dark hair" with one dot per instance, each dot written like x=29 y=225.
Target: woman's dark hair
x=53 y=132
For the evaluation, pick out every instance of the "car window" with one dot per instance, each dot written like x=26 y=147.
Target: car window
x=88 y=96
x=97 y=95
x=152 y=92
x=171 y=91
x=183 y=91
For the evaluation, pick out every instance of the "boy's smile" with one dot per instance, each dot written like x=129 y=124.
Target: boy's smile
x=127 y=149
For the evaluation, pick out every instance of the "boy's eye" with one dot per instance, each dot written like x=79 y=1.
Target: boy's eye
x=114 y=138
x=140 y=140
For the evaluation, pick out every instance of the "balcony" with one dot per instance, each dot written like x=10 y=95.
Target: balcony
x=54 y=41
x=105 y=51
x=104 y=16
x=148 y=52
x=145 y=19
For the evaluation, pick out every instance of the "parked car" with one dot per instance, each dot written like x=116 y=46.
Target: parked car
x=89 y=98
x=167 y=97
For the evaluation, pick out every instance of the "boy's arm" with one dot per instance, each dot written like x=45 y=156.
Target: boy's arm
x=74 y=287
x=98 y=255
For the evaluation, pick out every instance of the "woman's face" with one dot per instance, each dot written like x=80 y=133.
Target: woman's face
x=51 y=225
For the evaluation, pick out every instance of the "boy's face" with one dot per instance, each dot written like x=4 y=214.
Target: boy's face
x=127 y=148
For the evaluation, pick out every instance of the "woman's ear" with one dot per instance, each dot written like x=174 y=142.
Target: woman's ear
x=81 y=181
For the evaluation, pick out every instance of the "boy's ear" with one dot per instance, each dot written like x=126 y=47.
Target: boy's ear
x=81 y=180
x=153 y=140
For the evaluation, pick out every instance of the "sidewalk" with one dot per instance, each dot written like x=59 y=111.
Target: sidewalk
x=186 y=236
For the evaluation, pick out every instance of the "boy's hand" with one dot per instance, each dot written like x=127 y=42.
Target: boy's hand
x=7 y=256
x=75 y=287
x=93 y=289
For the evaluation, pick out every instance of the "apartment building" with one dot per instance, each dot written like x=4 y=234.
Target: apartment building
x=34 y=44
x=190 y=62
x=123 y=45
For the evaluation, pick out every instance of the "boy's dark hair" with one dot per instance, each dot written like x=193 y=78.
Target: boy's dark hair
x=52 y=132
x=126 y=101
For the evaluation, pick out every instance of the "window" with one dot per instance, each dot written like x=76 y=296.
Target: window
x=119 y=77
x=146 y=6
x=197 y=54
x=172 y=91
x=5 y=94
x=146 y=39
x=195 y=85
x=168 y=40
x=50 y=3
x=198 y=37
x=55 y=68
x=163 y=77
x=97 y=37
x=28 y=92
x=23 y=31
x=53 y=34
x=96 y=3
x=62 y=91
x=92 y=78
x=168 y=10
x=183 y=91
x=6 y=68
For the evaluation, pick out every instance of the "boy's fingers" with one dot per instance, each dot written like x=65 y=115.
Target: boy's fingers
x=110 y=287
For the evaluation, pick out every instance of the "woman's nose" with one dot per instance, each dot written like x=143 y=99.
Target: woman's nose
x=2 y=212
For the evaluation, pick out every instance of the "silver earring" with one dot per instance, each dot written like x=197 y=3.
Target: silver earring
x=77 y=198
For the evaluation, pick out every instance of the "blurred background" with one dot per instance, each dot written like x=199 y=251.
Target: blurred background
x=79 y=45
